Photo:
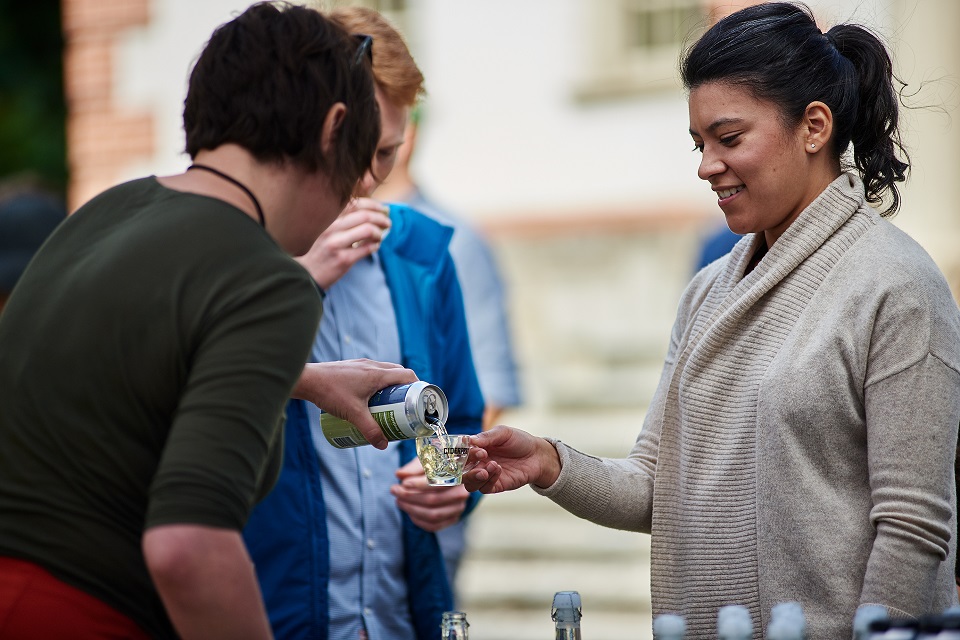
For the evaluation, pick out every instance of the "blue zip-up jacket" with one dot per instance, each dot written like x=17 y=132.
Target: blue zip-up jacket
x=287 y=532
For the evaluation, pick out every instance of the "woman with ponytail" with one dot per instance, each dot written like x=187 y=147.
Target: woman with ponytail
x=800 y=444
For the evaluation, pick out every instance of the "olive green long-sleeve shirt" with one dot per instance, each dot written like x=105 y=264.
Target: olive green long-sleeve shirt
x=145 y=359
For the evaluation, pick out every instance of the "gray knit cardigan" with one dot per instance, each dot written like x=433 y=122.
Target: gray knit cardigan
x=801 y=442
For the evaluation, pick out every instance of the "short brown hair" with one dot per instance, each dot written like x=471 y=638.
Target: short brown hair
x=394 y=69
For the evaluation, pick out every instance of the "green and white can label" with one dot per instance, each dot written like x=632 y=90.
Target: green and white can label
x=403 y=412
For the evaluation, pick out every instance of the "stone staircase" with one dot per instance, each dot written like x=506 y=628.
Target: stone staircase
x=592 y=315
x=522 y=548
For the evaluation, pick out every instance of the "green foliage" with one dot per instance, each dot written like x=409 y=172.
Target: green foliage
x=32 y=104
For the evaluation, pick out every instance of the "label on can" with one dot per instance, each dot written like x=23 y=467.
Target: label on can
x=402 y=411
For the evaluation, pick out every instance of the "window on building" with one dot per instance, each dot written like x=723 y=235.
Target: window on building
x=633 y=46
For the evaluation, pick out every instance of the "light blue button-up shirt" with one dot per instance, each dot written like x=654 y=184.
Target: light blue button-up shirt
x=367 y=588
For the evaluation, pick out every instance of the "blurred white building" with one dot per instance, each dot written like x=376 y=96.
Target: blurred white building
x=558 y=127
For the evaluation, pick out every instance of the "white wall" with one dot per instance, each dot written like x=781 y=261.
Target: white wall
x=503 y=131
x=154 y=65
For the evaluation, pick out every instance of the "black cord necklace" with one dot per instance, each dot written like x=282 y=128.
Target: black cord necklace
x=217 y=172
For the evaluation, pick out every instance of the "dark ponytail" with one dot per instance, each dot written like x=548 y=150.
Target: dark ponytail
x=874 y=131
x=776 y=50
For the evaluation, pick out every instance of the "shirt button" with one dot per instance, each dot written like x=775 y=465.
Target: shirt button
x=347 y=339
x=371 y=543
x=367 y=611
x=367 y=473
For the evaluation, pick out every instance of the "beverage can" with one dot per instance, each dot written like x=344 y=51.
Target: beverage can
x=403 y=412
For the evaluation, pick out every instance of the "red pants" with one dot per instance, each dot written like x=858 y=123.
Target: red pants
x=36 y=606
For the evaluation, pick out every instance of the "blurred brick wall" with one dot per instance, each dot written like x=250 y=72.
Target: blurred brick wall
x=103 y=137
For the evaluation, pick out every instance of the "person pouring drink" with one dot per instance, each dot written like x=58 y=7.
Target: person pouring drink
x=151 y=344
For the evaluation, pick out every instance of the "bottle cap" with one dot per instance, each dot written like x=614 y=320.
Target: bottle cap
x=865 y=615
x=734 y=622
x=566 y=611
x=668 y=626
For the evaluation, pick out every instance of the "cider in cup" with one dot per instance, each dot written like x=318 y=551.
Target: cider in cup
x=444 y=458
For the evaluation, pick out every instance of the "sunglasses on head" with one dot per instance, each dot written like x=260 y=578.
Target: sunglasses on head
x=364 y=48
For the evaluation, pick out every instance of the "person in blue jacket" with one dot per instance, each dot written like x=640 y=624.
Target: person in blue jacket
x=485 y=302
x=344 y=545
x=715 y=245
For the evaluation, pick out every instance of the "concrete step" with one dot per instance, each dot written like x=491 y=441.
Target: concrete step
x=522 y=548
x=523 y=585
x=524 y=525
x=607 y=432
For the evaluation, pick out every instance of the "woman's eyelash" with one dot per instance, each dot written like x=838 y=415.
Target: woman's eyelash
x=724 y=141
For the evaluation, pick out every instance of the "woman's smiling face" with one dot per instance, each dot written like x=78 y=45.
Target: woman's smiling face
x=760 y=170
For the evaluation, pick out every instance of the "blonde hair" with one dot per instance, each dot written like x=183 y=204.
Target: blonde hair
x=394 y=69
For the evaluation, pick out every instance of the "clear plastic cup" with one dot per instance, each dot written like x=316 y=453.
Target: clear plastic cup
x=444 y=458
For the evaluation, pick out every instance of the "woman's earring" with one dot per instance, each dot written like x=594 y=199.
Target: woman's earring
x=813 y=146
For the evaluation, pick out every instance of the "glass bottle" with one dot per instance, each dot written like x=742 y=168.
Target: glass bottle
x=864 y=616
x=787 y=622
x=951 y=624
x=734 y=623
x=566 y=614
x=453 y=626
x=669 y=626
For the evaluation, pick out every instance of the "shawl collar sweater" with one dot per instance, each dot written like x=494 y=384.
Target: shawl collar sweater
x=800 y=444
